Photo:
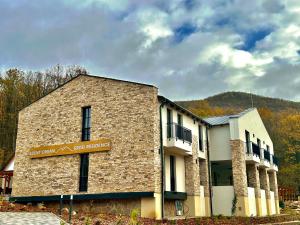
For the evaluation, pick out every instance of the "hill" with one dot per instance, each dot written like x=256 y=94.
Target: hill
x=241 y=100
x=281 y=118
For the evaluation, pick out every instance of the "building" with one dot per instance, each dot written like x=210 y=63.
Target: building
x=115 y=146
x=6 y=177
x=114 y=142
x=243 y=165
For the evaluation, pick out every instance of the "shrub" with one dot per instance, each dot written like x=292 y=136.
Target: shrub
x=281 y=204
x=134 y=217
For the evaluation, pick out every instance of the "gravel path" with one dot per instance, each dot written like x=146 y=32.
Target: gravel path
x=28 y=218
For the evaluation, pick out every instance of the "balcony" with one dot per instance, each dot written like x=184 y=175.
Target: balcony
x=252 y=152
x=179 y=139
x=265 y=158
x=274 y=163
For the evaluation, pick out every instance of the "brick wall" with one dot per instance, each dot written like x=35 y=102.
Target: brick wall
x=127 y=113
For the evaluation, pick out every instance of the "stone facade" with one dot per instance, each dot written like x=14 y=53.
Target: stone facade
x=127 y=113
x=239 y=168
x=254 y=182
x=192 y=179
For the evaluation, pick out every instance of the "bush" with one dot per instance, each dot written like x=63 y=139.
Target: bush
x=281 y=204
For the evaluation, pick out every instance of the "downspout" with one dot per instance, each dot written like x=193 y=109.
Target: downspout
x=209 y=173
x=162 y=159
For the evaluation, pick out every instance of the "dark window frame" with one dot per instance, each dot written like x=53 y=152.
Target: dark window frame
x=169 y=123
x=200 y=131
x=172 y=173
x=84 y=158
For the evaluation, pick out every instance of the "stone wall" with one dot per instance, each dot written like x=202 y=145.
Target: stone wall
x=239 y=168
x=192 y=173
x=254 y=182
x=125 y=112
x=264 y=181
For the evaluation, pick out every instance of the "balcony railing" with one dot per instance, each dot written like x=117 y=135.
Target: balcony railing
x=256 y=150
x=275 y=160
x=252 y=149
x=267 y=155
x=177 y=131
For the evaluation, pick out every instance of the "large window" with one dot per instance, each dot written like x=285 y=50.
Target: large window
x=200 y=138
x=86 y=123
x=84 y=158
x=248 y=142
x=169 y=123
x=173 y=172
x=84 y=172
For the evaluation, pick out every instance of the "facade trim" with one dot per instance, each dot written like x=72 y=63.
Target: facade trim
x=117 y=195
x=173 y=195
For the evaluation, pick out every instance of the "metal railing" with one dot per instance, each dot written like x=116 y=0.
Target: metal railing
x=267 y=155
x=177 y=131
x=252 y=149
x=275 y=160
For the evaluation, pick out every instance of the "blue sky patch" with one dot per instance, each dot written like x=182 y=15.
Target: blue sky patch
x=189 y=4
x=183 y=31
x=252 y=37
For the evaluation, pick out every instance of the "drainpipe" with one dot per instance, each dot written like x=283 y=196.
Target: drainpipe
x=162 y=159
x=209 y=173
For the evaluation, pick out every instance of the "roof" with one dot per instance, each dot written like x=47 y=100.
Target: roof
x=222 y=120
x=9 y=165
x=89 y=75
x=180 y=108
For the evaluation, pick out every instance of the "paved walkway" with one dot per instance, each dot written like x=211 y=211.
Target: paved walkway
x=28 y=218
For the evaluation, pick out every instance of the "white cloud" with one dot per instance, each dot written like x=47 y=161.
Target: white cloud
x=134 y=39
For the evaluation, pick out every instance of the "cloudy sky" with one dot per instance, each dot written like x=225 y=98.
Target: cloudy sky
x=189 y=49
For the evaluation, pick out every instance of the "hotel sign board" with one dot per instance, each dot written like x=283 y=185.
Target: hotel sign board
x=70 y=149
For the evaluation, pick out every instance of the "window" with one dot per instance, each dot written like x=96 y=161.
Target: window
x=179 y=119
x=248 y=143
x=200 y=138
x=84 y=158
x=259 y=143
x=173 y=172
x=86 y=124
x=169 y=123
x=84 y=172
x=268 y=148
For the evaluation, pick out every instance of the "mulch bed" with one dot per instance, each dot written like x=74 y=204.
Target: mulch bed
x=106 y=219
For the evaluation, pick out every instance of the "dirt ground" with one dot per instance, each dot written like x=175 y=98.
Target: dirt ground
x=80 y=218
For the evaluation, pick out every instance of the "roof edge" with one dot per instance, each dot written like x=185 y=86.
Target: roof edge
x=163 y=99
x=88 y=75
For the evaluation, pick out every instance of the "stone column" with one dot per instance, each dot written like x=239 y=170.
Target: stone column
x=264 y=180
x=255 y=183
x=204 y=181
x=192 y=180
x=274 y=187
x=239 y=177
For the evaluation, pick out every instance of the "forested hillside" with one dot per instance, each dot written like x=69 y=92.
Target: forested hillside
x=281 y=118
x=18 y=89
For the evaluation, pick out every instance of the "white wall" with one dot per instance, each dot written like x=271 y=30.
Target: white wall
x=222 y=200
x=180 y=173
x=187 y=122
x=202 y=202
x=252 y=202
x=219 y=143
x=264 y=210
x=10 y=165
x=252 y=122
x=273 y=203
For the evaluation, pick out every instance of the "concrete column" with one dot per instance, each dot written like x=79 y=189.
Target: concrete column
x=192 y=180
x=254 y=182
x=274 y=187
x=239 y=177
x=204 y=181
x=264 y=180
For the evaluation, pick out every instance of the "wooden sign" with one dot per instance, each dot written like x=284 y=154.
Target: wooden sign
x=70 y=149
